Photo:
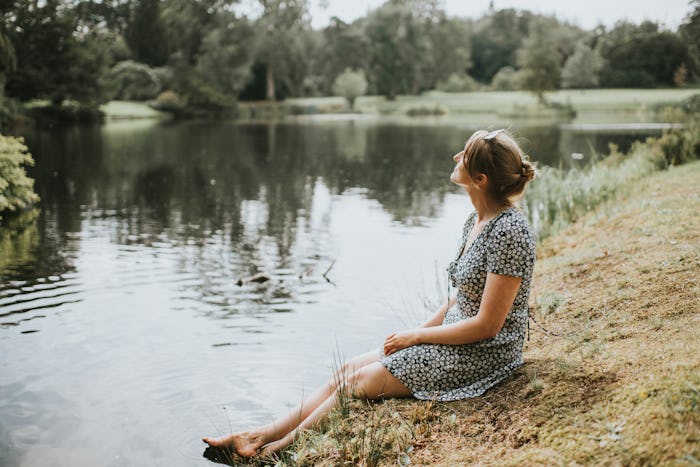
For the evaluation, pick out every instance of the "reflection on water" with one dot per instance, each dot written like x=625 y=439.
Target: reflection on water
x=122 y=328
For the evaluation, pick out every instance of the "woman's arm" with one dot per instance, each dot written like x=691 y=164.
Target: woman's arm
x=439 y=316
x=499 y=295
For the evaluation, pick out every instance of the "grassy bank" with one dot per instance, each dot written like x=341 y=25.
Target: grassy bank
x=611 y=372
x=507 y=103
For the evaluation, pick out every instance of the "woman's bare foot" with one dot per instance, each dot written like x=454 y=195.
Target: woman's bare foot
x=276 y=446
x=245 y=444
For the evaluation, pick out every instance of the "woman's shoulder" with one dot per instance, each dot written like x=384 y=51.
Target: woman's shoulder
x=513 y=220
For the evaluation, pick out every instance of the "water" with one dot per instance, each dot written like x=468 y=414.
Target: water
x=123 y=332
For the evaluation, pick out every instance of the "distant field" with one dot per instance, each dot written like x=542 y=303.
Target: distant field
x=595 y=100
x=504 y=103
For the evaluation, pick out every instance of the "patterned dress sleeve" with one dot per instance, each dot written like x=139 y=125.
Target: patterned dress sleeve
x=511 y=249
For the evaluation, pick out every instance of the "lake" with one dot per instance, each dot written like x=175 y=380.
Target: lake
x=124 y=334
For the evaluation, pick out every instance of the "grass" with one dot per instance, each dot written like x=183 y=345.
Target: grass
x=510 y=103
x=117 y=110
x=506 y=104
x=614 y=379
x=559 y=197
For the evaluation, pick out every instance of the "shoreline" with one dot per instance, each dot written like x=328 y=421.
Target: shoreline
x=611 y=373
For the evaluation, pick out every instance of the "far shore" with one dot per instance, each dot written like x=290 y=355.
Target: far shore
x=596 y=105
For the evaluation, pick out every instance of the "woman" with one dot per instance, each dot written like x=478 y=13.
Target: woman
x=462 y=350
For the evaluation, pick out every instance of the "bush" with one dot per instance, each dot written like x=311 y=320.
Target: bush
x=504 y=79
x=129 y=80
x=16 y=188
x=165 y=76
x=168 y=101
x=423 y=111
x=681 y=146
x=458 y=83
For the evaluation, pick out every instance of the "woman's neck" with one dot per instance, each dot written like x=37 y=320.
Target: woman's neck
x=487 y=209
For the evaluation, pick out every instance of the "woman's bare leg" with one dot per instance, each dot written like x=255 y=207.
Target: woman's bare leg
x=247 y=443
x=372 y=381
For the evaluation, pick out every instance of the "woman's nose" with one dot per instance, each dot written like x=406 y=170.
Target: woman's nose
x=456 y=156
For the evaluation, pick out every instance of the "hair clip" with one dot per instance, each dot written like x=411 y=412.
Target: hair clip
x=493 y=134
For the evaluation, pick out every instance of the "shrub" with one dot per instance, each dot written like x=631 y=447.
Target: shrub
x=16 y=188
x=129 y=80
x=458 y=83
x=168 y=101
x=422 y=111
x=504 y=79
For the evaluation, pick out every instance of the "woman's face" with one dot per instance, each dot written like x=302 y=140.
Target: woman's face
x=459 y=175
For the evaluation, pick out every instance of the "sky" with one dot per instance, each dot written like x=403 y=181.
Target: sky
x=586 y=14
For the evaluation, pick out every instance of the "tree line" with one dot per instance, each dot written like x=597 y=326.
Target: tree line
x=206 y=55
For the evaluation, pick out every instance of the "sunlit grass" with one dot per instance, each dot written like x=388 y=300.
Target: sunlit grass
x=129 y=109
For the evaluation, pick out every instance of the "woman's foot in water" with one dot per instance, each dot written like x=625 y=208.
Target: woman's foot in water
x=245 y=444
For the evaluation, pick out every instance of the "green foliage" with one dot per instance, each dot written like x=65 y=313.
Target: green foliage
x=16 y=188
x=458 y=83
x=199 y=95
x=582 y=68
x=681 y=146
x=226 y=55
x=54 y=61
x=505 y=79
x=281 y=39
x=495 y=41
x=558 y=198
x=145 y=33
x=395 y=35
x=341 y=46
x=350 y=84
x=130 y=80
x=640 y=55
x=539 y=60
x=8 y=61
x=690 y=34
x=425 y=111
x=449 y=50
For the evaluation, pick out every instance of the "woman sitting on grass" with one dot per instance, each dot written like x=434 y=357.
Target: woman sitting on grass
x=462 y=350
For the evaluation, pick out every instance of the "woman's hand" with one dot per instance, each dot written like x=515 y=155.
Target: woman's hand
x=400 y=340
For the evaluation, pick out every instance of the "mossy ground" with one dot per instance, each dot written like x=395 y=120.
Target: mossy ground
x=614 y=379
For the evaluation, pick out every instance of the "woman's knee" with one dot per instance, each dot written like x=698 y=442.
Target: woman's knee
x=375 y=381
x=354 y=364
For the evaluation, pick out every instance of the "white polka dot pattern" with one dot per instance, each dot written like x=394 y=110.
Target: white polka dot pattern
x=449 y=372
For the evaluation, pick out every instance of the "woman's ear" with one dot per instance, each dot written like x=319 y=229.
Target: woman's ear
x=481 y=180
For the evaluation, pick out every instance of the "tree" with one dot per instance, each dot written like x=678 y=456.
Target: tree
x=280 y=25
x=186 y=22
x=396 y=40
x=539 y=60
x=504 y=80
x=342 y=46
x=640 y=55
x=495 y=41
x=226 y=54
x=145 y=33
x=449 y=50
x=54 y=60
x=8 y=61
x=582 y=68
x=690 y=33
x=350 y=84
